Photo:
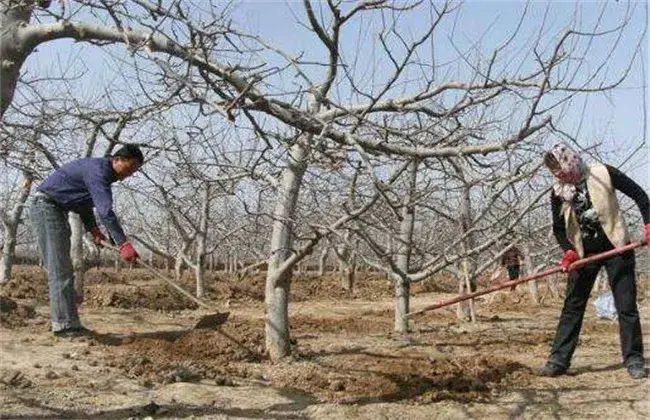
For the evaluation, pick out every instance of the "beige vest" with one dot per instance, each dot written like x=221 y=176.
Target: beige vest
x=603 y=198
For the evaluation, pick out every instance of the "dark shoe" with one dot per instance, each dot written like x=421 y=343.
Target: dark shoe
x=73 y=332
x=551 y=370
x=637 y=371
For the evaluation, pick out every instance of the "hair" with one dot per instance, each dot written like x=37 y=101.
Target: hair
x=551 y=161
x=129 y=151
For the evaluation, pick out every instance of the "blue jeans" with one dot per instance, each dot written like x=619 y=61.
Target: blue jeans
x=52 y=230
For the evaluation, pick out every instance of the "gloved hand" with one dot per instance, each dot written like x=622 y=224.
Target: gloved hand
x=647 y=233
x=98 y=236
x=570 y=257
x=128 y=253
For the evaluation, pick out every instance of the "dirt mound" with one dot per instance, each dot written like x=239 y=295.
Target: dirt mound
x=150 y=296
x=438 y=284
x=13 y=378
x=518 y=300
x=189 y=355
x=14 y=314
x=105 y=276
x=362 y=377
x=236 y=352
x=303 y=287
x=250 y=289
x=364 y=325
x=27 y=283
x=219 y=288
x=367 y=286
x=309 y=286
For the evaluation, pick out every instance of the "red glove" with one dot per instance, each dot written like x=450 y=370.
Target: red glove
x=569 y=258
x=647 y=234
x=98 y=236
x=128 y=253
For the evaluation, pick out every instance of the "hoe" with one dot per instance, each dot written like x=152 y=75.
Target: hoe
x=210 y=321
x=507 y=284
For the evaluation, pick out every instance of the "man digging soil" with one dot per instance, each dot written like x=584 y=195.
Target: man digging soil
x=78 y=187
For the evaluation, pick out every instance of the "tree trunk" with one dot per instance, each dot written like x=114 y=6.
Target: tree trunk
x=178 y=266
x=402 y=285
x=533 y=286
x=350 y=271
x=347 y=264
x=77 y=252
x=10 y=223
x=348 y=278
x=8 y=249
x=465 y=309
x=467 y=283
x=322 y=260
x=13 y=52
x=117 y=263
x=199 y=273
x=278 y=283
x=201 y=237
x=389 y=251
x=349 y=256
x=226 y=262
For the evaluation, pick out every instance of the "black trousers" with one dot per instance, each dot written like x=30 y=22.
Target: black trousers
x=620 y=272
x=513 y=272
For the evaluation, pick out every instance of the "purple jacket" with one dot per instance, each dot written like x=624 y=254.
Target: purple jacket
x=83 y=184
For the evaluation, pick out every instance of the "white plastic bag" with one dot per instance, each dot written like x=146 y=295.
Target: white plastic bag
x=605 y=307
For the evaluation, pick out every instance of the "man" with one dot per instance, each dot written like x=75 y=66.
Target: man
x=511 y=260
x=587 y=220
x=78 y=187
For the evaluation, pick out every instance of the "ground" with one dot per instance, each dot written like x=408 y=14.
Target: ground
x=147 y=360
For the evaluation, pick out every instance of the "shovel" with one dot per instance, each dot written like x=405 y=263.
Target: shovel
x=211 y=321
x=578 y=264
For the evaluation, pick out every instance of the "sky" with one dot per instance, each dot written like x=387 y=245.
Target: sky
x=617 y=118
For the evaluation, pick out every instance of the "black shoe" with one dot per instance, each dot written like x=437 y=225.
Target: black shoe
x=551 y=370
x=73 y=332
x=637 y=371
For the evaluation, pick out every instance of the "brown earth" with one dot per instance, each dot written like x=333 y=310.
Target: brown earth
x=146 y=360
x=13 y=314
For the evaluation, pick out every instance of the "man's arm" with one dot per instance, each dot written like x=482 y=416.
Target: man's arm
x=102 y=196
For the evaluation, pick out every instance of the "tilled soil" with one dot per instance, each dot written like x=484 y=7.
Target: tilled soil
x=146 y=359
x=344 y=375
x=26 y=283
x=190 y=355
x=13 y=314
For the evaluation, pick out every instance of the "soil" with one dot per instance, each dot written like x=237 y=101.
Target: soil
x=13 y=314
x=146 y=359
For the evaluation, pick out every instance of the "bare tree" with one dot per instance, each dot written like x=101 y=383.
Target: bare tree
x=10 y=223
x=417 y=107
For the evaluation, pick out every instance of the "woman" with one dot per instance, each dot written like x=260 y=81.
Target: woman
x=587 y=220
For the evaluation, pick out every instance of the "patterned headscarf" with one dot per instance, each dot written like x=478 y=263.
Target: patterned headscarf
x=570 y=170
